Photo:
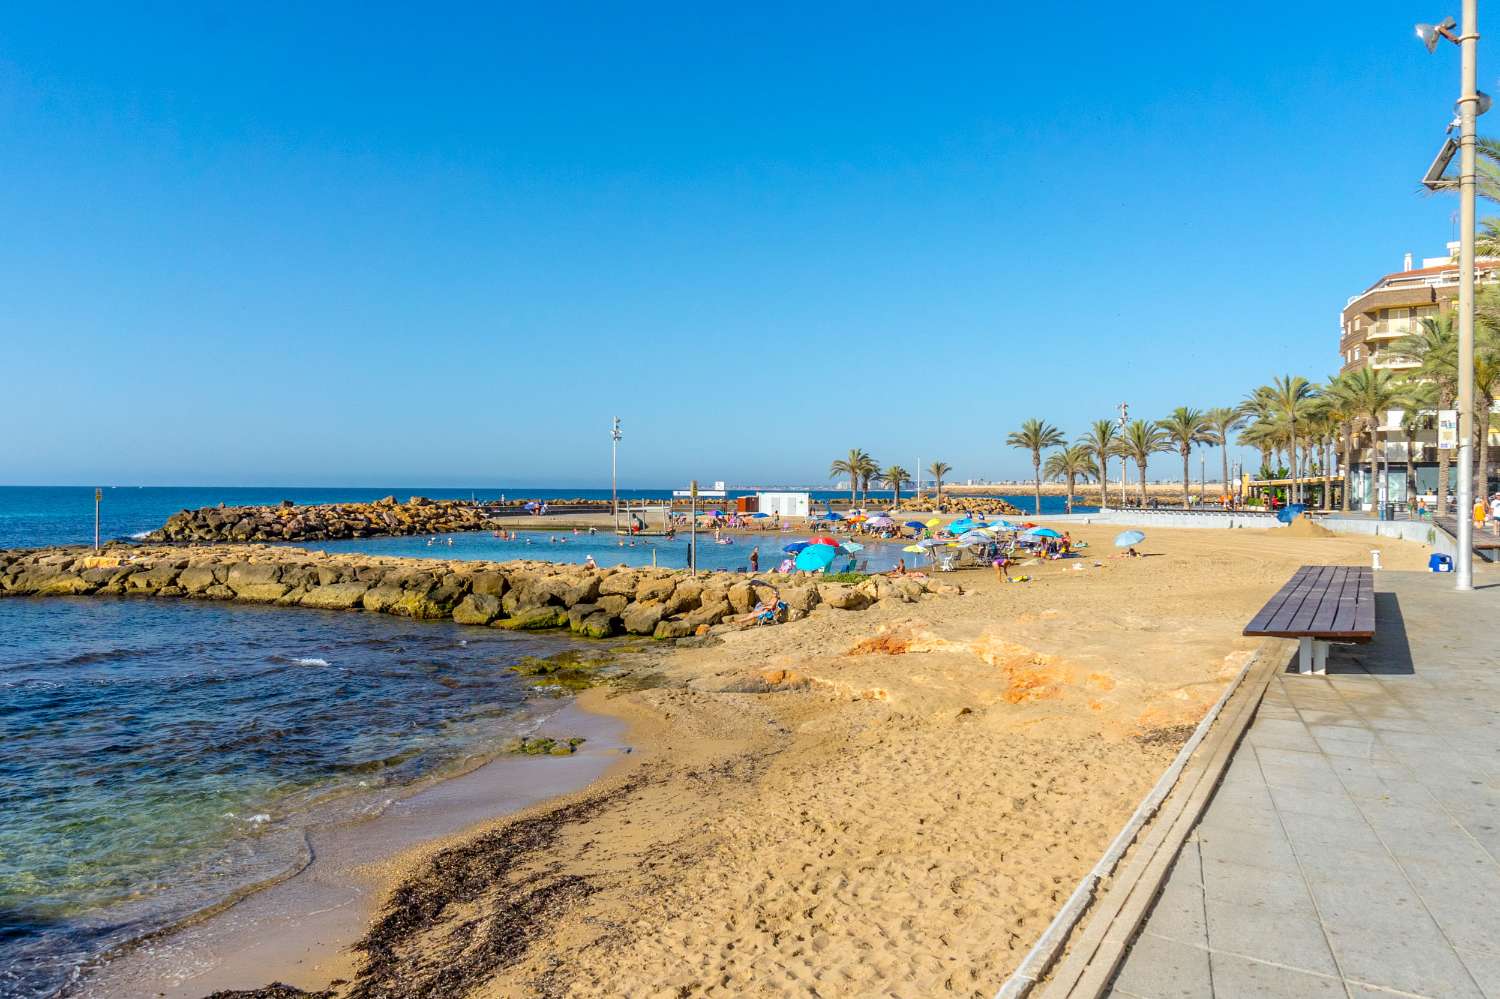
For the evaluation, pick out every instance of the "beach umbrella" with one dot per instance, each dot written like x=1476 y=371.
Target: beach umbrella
x=880 y=521
x=931 y=543
x=1126 y=539
x=915 y=525
x=1043 y=532
x=759 y=516
x=815 y=557
x=795 y=547
x=823 y=539
x=830 y=515
x=934 y=522
x=852 y=547
x=975 y=538
x=718 y=513
x=914 y=549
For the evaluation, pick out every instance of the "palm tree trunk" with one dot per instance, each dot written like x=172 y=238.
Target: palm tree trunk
x=1186 y=472
x=1070 y=492
x=1349 y=461
x=1224 y=453
x=1411 y=473
x=1103 y=481
x=1141 y=467
x=1295 y=493
x=940 y=492
x=1036 y=472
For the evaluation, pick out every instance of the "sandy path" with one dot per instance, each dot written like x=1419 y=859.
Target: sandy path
x=888 y=803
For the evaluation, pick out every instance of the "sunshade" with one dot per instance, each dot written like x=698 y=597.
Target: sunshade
x=1043 y=532
x=914 y=549
x=823 y=539
x=815 y=557
x=1127 y=538
x=852 y=547
x=830 y=515
x=880 y=521
x=932 y=543
x=915 y=525
x=795 y=547
x=935 y=521
x=759 y=516
x=975 y=538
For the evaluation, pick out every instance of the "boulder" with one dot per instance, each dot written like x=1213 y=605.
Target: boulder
x=335 y=596
x=60 y=584
x=489 y=583
x=655 y=589
x=741 y=598
x=684 y=597
x=535 y=618
x=477 y=608
x=614 y=603
x=381 y=598
x=596 y=625
x=800 y=599
x=621 y=583
x=642 y=619
x=842 y=597
x=672 y=629
x=196 y=578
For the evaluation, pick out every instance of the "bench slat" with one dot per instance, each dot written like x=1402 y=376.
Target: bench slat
x=1328 y=602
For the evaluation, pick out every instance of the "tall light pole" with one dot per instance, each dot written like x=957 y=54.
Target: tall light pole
x=614 y=463
x=1468 y=109
x=1124 y=461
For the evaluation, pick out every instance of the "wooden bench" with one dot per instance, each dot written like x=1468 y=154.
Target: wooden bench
x=1319 y=604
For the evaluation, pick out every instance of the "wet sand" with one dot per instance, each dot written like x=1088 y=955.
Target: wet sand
x=304 y=927
x=889 y=803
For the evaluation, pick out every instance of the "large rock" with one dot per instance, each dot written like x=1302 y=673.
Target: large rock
x=535 y=618
x=197 y=578
x=491 y=584
x=843 y=597
x=642 y=619
x=655 y=589
x=684 y=597
x=335 y=596
x=672 y=629
x=477 y=608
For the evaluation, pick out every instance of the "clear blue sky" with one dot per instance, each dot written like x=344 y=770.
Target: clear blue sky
x=373 y=244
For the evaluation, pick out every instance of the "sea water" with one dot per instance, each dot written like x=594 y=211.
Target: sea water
x=158 y=756
x=64 y=515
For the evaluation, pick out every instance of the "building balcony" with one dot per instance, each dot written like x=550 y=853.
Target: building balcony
x=1391 y=329
x=1392 y=362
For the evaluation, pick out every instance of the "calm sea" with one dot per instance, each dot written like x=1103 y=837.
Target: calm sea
x=61 y=515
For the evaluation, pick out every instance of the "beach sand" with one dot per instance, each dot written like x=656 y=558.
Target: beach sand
x=888 y=803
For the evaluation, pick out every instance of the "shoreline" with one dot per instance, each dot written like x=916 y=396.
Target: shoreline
x=305 y=925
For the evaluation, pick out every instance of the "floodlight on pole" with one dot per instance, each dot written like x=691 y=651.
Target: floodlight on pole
x=1470 y=105
x=614 y=452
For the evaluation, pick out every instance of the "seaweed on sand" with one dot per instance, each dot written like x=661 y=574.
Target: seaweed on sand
x=475 y=908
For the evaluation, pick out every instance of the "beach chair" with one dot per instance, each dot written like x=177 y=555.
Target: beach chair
x=771 y=614
x=948 y=560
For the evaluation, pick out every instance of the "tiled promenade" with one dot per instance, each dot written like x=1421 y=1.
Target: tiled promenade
x=1352 y=847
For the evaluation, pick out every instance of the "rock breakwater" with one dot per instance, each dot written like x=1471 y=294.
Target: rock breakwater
x=525 y=595
x=289 y=522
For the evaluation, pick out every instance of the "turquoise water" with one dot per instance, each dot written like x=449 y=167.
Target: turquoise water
x=158 y=756
x=63 y=515
x=565 y=546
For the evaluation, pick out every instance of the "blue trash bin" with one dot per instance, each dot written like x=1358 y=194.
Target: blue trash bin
x=1438 y=562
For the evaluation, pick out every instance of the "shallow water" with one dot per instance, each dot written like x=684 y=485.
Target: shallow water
x=566 y=546
x=160 y=756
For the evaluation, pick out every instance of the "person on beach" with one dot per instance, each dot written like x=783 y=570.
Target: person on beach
x=589 y=563
x=755 y=559
x=1002 y=569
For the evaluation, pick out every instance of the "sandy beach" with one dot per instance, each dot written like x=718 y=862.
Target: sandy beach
x=889 y=803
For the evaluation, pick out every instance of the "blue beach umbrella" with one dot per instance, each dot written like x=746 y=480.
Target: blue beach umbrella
x=915 y=525
x=830 y=515
x=759 y=516
x=1127 y=538
x=795 y=547
x=815 y=557
x=1043 y=532
x=852 y=546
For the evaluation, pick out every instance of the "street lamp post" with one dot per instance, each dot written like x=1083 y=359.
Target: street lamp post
x=1124 y=462
x=614 y=461
x=1468 y=110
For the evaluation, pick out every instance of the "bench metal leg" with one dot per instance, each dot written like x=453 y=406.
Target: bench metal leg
x=1320 y=658
x=1304 y=656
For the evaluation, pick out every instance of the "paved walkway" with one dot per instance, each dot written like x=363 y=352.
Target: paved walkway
x=1352 y=847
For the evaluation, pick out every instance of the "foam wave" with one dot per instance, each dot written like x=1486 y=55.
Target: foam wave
x=311 y=661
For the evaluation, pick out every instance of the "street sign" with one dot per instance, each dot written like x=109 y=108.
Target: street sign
x=1447 y=429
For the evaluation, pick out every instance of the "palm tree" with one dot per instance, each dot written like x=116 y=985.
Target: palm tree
x=938 y=470
x=1100 y=441
x=1036 y=436
x=852 y=466
x=1140 y=441
x=868 y=470
x=1070 y=464
x=1411 y=422
x=895 y=477
x=1184 y=428
x=1342 y=407
x=1225 y=420
x=1288 y=396
x=1435 y=349
x=1372 y=393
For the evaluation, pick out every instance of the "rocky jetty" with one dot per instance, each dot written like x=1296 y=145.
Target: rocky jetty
x=992 y=505
x=663 y=603
x=289 y=522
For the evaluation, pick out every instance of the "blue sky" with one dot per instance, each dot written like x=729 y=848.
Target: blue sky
x=366 y=243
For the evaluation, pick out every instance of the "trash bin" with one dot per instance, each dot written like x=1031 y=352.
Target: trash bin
x=1438 y=562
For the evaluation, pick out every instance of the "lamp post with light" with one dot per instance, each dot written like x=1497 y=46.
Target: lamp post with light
x=1471 y=104
x=614 y=457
